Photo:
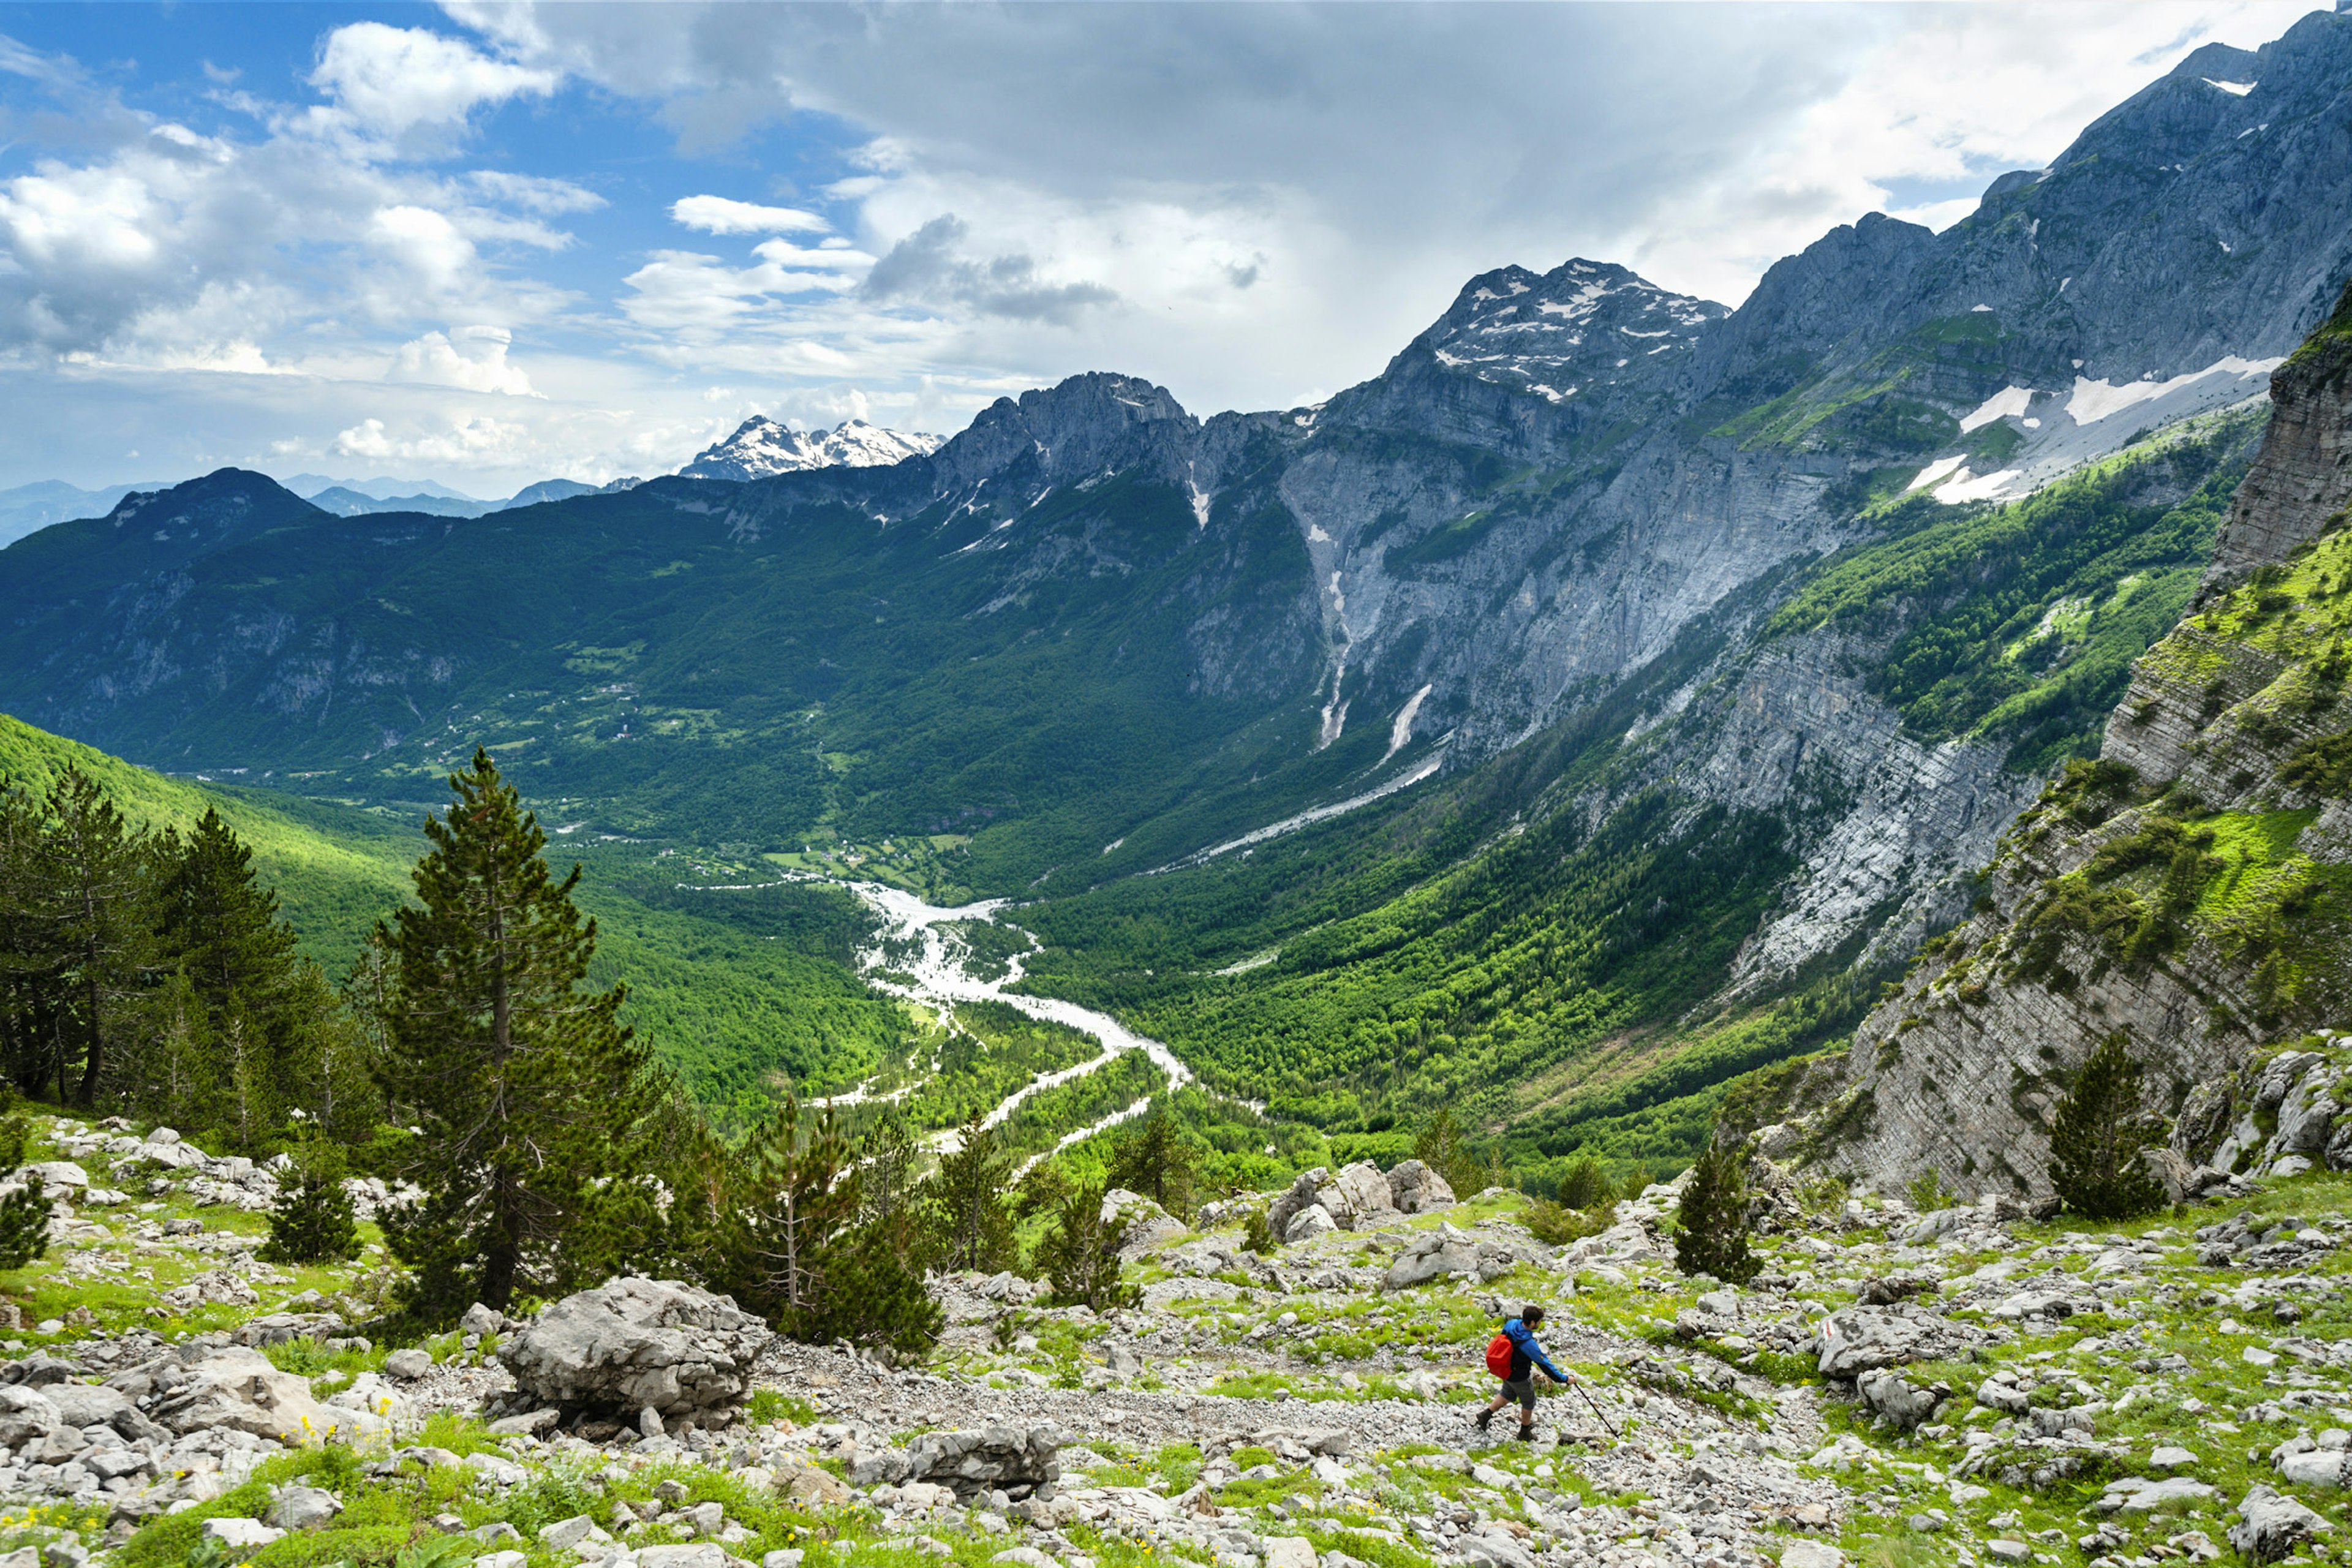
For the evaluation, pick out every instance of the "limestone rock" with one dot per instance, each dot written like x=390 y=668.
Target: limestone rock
x=1146 y=1223
x=632 y=1344
x=1010 y=1459
x=1414 y=1188
x=239 y=1388
x=1312 y=1221
x=2270 y=1526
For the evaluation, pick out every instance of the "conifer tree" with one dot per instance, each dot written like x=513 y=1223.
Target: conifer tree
x=1442 y=1148
x=1155 y=1161
x=1079 y=1254
x=24 y=1211
x=971 y=1221
x=2096 y=1137
x=98 y=895
x=528 y=1090
x=312 y=1221
x=33 y=957
x=777 y=1224
x=1714 y=1238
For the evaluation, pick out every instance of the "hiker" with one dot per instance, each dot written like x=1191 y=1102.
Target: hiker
x=1512 y=1356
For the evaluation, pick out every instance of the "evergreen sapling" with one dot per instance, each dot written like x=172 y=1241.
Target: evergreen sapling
x=1713 y=1236
x=313 y=1221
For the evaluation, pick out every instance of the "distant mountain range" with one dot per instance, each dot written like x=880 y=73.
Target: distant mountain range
x=759 y=448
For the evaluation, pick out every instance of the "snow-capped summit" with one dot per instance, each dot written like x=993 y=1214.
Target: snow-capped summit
x=760 y=449
x=1582 y=324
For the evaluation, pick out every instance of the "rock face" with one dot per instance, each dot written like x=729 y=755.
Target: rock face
x=1960 y=1073
x=1146 y=1222
x=634 y=1345
x=1414 y=1188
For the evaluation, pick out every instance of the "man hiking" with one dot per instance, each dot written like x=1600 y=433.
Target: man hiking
x=1512 y=1356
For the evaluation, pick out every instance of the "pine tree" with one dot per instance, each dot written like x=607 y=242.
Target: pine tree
x=1584 y=1183
x=1079 y=1254
x=528 y=1090
x=1155 y=1161
x=24 y=1211
x=972 y=1224
x=777 y=1224
x=34 y=960
x=312 y=1221
x=98 y=894
x=2096 y=1137
x=1714 y=1238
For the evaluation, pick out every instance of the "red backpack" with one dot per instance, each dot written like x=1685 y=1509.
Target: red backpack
x=1498 y=1356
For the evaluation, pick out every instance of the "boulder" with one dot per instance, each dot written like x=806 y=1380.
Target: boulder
x=1363 y=1193
x=80 y=1404
x=250 y=1534
x=1305 y=1190
x=1864 y=1339
x=1414 y=1188
x=1445 y=1251
x=1146 y=1223
x=1312 y=1221
x=303 y=1507
x=408 y=1365
x=1905 y=1404
x=1011 y=1459
x=632 y=1344
x=2270 y=1526
x=2137 y=1494
x=1811 y=1554
x=372 y=1394
x=238 y=1388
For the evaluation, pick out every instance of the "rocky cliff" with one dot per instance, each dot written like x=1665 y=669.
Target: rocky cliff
x=2189 y=889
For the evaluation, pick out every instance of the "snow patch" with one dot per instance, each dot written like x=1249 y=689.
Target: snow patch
x=1966 y=487
x=1940 y=469
x=2234 y=89
x=2097 y=400
x=2009 y=400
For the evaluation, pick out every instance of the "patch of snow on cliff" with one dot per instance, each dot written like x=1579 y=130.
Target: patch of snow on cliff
x=1941 y=468
x=2095 y=400
x=2234 y=89
x=2006 y=401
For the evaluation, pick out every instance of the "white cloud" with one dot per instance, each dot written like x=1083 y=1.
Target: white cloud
x=392 y=80
x=474 y=358
x=717 y=215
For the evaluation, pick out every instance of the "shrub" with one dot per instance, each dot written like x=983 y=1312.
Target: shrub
x=1080 y=1254
x=1714 y=1238
x=1555 y=1225
x=1584 y=1183
x=312 y=1221
x=24 y=1213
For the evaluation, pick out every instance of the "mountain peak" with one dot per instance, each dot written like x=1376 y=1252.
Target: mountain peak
x=1080 y=427
x=1558 y=333
x=762 y=448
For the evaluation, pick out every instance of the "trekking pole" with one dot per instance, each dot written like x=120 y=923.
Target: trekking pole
x=1596 y=1410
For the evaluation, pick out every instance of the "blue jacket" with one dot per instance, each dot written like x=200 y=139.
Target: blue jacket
x=1524 y=1349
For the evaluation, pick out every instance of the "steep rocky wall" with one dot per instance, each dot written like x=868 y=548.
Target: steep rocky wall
x=2180 y=892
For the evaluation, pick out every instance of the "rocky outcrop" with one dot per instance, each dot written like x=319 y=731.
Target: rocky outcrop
x=2093 y=918
x=635 y=1345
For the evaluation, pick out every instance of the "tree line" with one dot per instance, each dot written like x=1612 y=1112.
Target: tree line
x=534 y=1143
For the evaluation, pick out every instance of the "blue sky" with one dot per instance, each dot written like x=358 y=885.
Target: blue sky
x=491 y=244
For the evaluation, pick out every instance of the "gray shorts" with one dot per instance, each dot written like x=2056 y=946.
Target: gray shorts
x=1521 y=1389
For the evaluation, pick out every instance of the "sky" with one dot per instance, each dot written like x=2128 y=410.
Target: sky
x=491 y=244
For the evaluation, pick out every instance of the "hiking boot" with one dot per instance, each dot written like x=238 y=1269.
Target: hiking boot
x=1527 y=1434
x=1485 y=1417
